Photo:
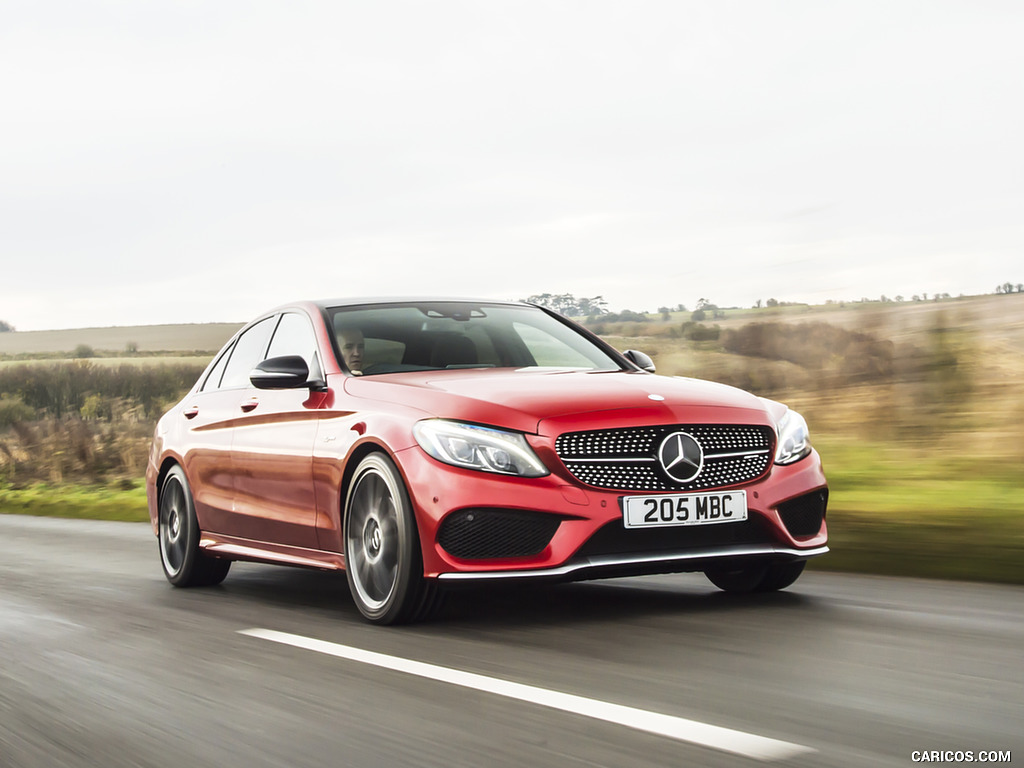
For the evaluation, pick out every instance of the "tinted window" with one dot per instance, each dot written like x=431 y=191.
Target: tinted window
x=294 y=336
x=548 y=350
x=434 y=335
x=213 y=380
x=247 y=353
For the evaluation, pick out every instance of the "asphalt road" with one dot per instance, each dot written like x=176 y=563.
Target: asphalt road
x=102 y=663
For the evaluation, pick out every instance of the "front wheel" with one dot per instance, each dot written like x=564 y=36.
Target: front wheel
x=781 y=575
x=184 y=563
x=383 y=562
x=769 y=577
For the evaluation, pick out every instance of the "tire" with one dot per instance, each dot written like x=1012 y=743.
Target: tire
x=184 y=564
x=781 y=575
x=737 y=580
x=383 y=561
x=766 y=577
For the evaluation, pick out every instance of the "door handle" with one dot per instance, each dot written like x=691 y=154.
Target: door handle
x=250 y=405
x=192 y=412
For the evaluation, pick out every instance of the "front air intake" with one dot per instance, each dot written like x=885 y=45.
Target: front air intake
x=804 y=515
x=487 y=534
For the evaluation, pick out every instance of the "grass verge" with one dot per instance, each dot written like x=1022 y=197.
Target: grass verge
x=979 y=549
x=925 y=513
x=83 y=502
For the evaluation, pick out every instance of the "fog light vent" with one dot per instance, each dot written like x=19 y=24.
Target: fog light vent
x=803 y=515
x=485 y=534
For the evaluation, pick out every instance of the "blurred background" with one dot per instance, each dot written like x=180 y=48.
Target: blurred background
x=914 y=406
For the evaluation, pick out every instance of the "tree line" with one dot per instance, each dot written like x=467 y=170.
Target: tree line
x=1010 y=288
x=91 y=391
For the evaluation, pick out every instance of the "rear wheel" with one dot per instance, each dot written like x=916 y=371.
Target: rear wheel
x=769 y=577
x=383 y=562
x=184 y=563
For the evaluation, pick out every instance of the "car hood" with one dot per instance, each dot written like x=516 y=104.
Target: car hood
x=550 y=401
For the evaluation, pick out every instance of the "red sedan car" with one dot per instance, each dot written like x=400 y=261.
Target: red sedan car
x=415 y=443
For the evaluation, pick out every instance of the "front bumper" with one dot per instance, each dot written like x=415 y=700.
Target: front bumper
x=609 y=566
x=590 y=540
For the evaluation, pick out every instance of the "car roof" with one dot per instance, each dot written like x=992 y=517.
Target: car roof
x=362 y=301
x=352 y=301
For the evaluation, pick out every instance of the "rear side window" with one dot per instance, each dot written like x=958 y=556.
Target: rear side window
x=213 y=380
x=247 y=353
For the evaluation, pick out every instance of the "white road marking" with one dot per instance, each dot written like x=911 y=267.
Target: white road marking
x=692 y=731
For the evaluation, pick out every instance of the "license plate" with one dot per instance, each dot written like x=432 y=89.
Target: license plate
x=684 y=509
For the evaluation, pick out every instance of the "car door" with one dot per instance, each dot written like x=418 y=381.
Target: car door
x=272 y=449
x=207 y=416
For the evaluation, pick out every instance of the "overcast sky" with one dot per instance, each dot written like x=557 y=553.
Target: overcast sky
x=168 y=162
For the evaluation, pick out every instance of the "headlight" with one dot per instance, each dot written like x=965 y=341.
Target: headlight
x=794 y=440
x=483 y=448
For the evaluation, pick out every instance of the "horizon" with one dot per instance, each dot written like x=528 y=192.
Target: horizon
x=883 y=300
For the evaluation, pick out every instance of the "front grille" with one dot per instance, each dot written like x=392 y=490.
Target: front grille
x=484 y=534
x=615 y=539
x=803 y=515
x=627 y=459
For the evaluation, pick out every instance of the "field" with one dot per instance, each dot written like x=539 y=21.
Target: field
x=916 y=409
x=918 y=414
x=117 y=341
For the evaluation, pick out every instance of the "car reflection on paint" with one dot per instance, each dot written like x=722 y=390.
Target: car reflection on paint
x=420 y=443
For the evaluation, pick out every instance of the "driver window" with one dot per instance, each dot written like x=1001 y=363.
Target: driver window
x=247 y=353
x=294 y=336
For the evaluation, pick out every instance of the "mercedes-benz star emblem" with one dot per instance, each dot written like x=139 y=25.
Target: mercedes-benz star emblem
x=681 y=457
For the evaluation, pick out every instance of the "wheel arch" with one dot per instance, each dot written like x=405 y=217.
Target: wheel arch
x=166 y=465
x=352 y=461
x=355 y=456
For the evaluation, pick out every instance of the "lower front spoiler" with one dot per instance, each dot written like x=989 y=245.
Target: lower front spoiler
x=611 y=566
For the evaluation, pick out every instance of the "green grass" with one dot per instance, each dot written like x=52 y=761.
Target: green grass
x=899 y=512
x=85 y=502
x=983 y=549
x=881 y=480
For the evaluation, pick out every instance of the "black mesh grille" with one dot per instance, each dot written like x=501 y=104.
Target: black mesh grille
x=803 y=515
x=615 y=539
x=627 y=459
x=484 y=534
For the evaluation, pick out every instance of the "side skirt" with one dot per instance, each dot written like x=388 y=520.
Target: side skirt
x=233 y=548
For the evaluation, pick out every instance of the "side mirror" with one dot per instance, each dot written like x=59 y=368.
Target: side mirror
x=639 y=359
x=286 y=372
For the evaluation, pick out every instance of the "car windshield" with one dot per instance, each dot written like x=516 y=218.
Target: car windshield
x=394 y=338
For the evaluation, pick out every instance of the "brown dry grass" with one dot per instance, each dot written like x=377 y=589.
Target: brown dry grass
x=956 y=388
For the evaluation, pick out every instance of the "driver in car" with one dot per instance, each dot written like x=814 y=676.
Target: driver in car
x=352 y=346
